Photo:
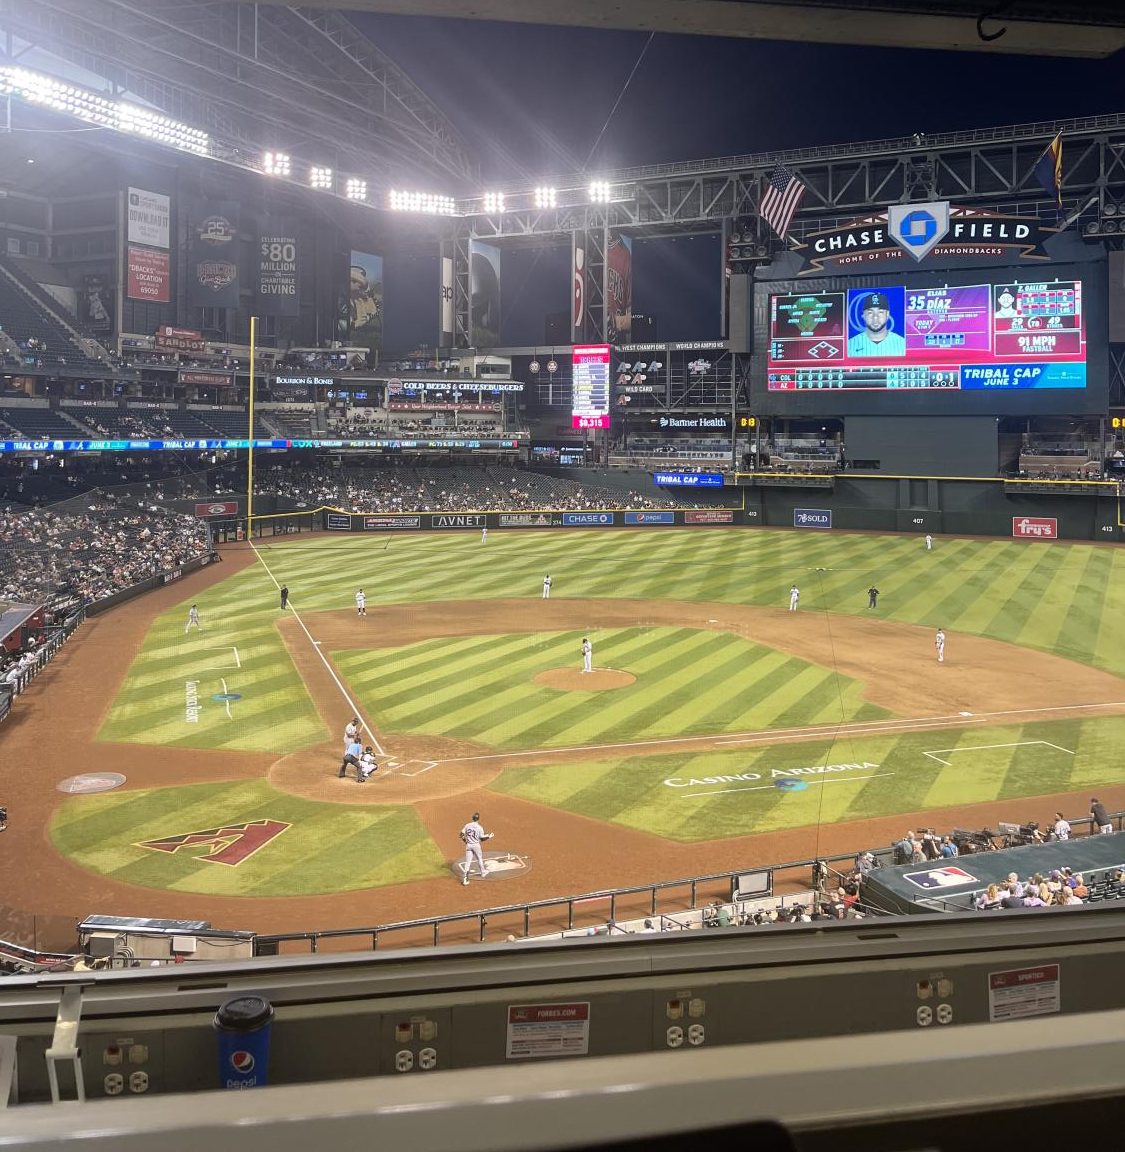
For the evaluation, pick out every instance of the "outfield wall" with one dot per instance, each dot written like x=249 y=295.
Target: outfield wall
x=851 y=502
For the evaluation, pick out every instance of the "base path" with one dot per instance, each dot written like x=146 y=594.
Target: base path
x=64 y=707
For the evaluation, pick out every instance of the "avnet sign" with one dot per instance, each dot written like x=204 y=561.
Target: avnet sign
x=1035 y=528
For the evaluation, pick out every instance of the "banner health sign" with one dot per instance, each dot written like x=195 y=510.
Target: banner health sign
x=812 y=517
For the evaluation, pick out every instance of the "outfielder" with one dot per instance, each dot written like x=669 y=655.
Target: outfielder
x=193 y=618
x=360 y=603
x=484 y=535
x=929 y=542
x=872 y=597
x=471 y=836
x=547 y=587
x=794 y=596
x=587 y=655
x=939 y=645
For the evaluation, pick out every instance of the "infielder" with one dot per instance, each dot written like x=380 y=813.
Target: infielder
x=587 y=655
x=471 y=836
x=360 y=603
x=547 y=587
x=284 y=596
x=939 y=645
x=193 y=618
x=794 y=596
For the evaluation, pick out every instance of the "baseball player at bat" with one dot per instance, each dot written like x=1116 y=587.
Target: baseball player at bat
x=472 y=835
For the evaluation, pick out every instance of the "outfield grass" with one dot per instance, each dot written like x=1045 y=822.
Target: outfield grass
x=1068 y=599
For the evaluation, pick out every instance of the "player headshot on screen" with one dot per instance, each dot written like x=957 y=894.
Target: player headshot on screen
x=876 y=337
x=1005 y=303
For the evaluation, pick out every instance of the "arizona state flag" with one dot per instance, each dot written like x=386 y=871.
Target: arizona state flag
x=1048 y=170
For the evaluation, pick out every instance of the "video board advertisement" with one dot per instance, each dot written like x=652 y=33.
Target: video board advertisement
x=590 y=383
x=1007 y=333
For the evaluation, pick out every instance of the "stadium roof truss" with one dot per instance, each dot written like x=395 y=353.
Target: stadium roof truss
x=992 y=168
x=301 y=81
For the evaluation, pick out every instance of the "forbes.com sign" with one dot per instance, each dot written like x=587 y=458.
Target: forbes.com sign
x=575 y=519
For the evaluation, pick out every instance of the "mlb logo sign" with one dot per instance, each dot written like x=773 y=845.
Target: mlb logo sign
x=948 y=877
x=1035 y=527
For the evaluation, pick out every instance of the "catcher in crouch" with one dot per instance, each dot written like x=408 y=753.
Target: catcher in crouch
x=472 y=836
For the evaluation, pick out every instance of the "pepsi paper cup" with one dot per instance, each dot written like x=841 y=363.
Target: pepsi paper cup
x=242 y=1027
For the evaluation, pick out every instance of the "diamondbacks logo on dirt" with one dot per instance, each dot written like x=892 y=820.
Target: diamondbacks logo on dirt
x=230 y=844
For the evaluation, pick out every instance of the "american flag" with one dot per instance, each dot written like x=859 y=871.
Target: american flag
x=781 y=200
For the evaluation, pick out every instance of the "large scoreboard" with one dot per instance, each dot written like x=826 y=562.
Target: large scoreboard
x=1010 y=333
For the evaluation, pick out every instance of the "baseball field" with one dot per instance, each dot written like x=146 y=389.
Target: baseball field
x=718 y=729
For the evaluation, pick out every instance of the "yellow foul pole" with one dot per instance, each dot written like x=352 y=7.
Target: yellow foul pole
x=250 y=434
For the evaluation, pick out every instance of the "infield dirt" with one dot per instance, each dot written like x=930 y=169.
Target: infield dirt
x=51 y=735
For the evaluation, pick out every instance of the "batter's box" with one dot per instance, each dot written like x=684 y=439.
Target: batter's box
x=936 y=753
x=497 y=866
x=396 y=767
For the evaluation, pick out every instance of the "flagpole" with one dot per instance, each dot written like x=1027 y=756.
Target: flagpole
x=250 y=436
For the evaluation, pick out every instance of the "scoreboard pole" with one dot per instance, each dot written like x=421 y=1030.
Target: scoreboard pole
x=250 y=436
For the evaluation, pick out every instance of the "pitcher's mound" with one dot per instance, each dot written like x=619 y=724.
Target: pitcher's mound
x=572 y=680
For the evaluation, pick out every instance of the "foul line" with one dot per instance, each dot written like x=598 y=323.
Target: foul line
x=323 y=659
x=980 y=747
x=226 y=702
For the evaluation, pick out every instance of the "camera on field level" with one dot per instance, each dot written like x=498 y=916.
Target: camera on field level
x=969 y=841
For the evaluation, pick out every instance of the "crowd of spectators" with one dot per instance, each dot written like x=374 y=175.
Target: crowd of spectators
x=1059 y=888
x=72 y=558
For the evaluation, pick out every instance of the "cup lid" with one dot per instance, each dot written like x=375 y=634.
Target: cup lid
x=244 y=1013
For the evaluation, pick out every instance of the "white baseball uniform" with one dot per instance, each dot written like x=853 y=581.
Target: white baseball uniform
x=929 y=542
x=351 y=733
x=587 y=656
x=794 y=596
x=361 y=603
x=473 y=834
x=193 y=619
x=546 y=587
x=483 y=535
x=939 y=644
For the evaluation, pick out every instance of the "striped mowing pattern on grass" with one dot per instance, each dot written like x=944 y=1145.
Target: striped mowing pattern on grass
x=328 y=848
x=683 y=798
x=483 y=688
x=1066 y=598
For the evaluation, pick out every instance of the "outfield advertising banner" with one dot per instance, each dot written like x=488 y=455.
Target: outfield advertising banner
x=1035 y=527
x=646 y=518
x=812 y=517
x=277 y=268
x=586 y=519
x=709 y=516
x=391 y=523
x=688 y=479
x=213 y=270
x=460 y=520
x=95 y=302
x=530 y=520
x=217 y=508
x=338 y=522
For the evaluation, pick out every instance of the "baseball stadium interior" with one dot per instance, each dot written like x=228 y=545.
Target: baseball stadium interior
x=211 y=271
